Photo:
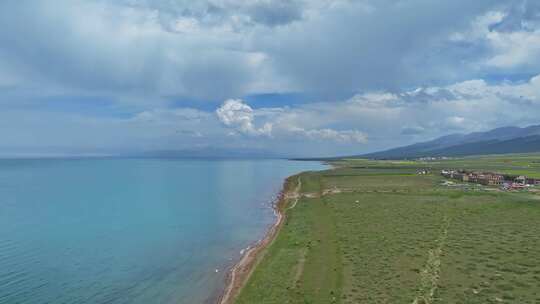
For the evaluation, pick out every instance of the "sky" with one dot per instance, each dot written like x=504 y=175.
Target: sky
x=287 y=77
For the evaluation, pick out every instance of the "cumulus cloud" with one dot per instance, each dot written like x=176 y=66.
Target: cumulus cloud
x=362 y=123
x=391 y=119
x=382 y=118
x=239 y=116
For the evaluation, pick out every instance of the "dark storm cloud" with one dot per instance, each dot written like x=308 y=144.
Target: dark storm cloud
x=223 y=48
x=95 y=46
x=389 y=44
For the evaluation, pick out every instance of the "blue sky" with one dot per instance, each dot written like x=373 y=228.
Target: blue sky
x=292 y=77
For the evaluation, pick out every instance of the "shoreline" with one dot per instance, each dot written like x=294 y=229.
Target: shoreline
x=239 y=273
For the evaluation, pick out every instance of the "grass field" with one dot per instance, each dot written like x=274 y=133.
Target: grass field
x=375 y=232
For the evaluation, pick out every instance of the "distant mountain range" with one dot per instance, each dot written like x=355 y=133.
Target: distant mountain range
x=208 y=152
x=497 y=141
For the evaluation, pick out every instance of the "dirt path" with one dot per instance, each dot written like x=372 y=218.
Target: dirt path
x=430 y=275
x=300 y=267
x=295 y=194
x=334 y=190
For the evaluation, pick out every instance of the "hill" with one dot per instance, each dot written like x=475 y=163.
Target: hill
x=497 y=141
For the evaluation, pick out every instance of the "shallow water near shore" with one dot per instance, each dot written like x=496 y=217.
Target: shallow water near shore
x=130 y=230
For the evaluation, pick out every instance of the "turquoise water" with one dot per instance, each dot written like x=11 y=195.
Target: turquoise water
x=130 y=230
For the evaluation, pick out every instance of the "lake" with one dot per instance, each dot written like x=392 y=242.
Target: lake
x=130 y=230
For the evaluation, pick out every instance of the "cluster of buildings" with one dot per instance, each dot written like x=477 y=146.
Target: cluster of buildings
x=491 y=179
x=431 y=158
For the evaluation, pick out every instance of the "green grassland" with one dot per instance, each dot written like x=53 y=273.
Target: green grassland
x=376 y=232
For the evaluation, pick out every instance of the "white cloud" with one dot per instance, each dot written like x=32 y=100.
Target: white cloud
x=239 y=116
x=281 y=123
x=362 y=123
x=480 y=27
x=468 y=89
x=375 y=99
x=171 y=116
x=345 y=136
x=506 y=49
x=425 y=113
x=514 y=49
